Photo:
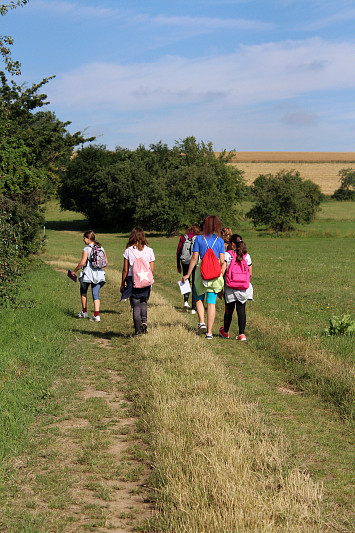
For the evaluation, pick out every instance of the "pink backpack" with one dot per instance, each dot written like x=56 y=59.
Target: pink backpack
x=238 y=273
x=141 y=274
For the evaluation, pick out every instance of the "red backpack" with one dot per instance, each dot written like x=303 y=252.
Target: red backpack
x=210 y=266
x=238 y=273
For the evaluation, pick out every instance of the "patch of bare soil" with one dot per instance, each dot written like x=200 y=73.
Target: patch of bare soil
x=88 y=472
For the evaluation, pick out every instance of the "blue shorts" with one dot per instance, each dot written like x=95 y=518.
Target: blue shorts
x=211 y=297
x=95 y=288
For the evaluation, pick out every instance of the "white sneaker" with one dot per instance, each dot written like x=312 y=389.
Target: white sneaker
x=186 y=306
x=193 y=311
x=83 y=315
x=95 y=319
x=201 y=328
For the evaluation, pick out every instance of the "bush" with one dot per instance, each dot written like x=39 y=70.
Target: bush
x=19 y=228
x=159 y=188
x=283 y=200
x=340 y=325
x=346 y=190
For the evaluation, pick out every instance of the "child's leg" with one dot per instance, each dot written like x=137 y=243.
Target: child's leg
x=95 y=289
x=136 y=305
x=185 y=268
x=242 y=319
x=228 y=314
x=144 y=310
x=193 y=303
x=84 y=302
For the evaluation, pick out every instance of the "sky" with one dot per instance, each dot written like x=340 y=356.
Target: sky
x=249 y=75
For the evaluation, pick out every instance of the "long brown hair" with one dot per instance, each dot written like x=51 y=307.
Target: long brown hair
x=91 y=236
x=241 y=249
x=194 y=228
x=212 y=224
x=137 y=238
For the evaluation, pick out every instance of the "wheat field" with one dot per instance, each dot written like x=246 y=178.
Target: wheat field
x=320 y=167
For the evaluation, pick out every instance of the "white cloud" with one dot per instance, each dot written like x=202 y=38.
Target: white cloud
x=253 y=74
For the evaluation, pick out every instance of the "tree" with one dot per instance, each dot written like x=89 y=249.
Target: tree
x=346 y=190
x=160 y=188
x=5 y=40
x=34 y=145
x=283 y=200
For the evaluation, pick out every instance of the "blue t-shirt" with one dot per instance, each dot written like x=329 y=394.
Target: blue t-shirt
x=200 y=245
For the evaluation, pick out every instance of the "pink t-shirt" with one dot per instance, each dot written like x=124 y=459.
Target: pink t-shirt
x=132 y=253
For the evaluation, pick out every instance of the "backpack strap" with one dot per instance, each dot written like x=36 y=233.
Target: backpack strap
x=207 y=242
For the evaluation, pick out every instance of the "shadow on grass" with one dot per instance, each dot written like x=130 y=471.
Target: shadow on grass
x=108 y=335
x=67 y=225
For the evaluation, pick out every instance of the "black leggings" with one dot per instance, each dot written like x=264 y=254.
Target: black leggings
x=139 y=313
x=228 y=313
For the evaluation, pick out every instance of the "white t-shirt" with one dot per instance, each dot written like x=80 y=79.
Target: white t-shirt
x=89 y=274
x=132 y=253
x=232 y=295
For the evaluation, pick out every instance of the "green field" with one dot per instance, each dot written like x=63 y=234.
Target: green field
x=300 y=380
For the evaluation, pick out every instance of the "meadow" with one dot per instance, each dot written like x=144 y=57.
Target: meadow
x=237 y=438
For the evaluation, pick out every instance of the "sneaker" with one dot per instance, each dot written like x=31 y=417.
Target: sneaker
x=193 y=311
x=241 y=337
x=201 y=328
x=186 y=306
x=224 y=334
x=209 y=336
x=95 y=319
x=144 y=328
x=83 y=315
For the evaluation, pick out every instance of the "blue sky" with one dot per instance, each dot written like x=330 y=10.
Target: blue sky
x=248 y=75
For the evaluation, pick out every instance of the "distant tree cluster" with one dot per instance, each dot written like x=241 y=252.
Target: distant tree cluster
x=160 y=188
x=346 y=190
x=283 y=200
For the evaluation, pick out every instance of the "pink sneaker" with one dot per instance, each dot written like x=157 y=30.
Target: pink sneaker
x=241 y=337
x=223 y=334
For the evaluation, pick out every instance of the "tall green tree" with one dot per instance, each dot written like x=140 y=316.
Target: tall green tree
x=6 y=41
x=283 y=200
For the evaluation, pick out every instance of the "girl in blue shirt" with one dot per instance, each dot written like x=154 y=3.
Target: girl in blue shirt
x=209 y=239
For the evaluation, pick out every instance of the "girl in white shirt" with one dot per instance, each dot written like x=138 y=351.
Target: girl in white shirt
x=90 y=276
x=236 y=298
x=137 y=246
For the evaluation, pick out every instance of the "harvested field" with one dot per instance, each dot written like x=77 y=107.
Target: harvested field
x=320 y=167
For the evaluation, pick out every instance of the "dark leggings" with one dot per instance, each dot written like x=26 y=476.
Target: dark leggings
x=139 y=313
x=185 y=268
x=228 y=313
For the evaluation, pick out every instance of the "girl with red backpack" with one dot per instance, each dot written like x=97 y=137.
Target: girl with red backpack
x=238 y=289
x=208 y=254
x=136 y=282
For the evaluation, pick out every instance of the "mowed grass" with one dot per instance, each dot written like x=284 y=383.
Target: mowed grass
x=217 y=453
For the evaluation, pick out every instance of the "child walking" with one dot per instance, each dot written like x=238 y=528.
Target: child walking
x=137 y=247
x=236 y=298
x=183 y=258
x=90 y=276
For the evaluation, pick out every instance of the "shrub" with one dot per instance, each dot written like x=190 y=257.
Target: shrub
x=340 y=325
x=159 y=188
x=346 y=190
x=283 y=200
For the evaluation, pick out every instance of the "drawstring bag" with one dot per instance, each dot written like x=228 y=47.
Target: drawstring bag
x=210 y=266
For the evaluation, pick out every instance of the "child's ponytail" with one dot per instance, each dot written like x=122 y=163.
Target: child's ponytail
x=241 y=249
x=91 y=236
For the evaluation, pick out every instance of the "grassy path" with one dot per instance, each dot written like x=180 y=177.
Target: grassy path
x=167 y=433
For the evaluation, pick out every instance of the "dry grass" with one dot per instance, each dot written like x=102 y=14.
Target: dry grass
x=218 y=466
x=320 y=167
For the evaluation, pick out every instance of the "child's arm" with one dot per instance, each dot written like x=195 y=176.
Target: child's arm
x=151 y=264
x=124 y=273
x=82 y=262
x=223 y=264
x=192 y=265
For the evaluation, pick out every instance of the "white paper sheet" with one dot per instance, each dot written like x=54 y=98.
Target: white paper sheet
x=184 y=287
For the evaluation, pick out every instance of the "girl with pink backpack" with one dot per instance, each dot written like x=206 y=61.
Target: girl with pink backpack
x=138 y=277
x=238 y=289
